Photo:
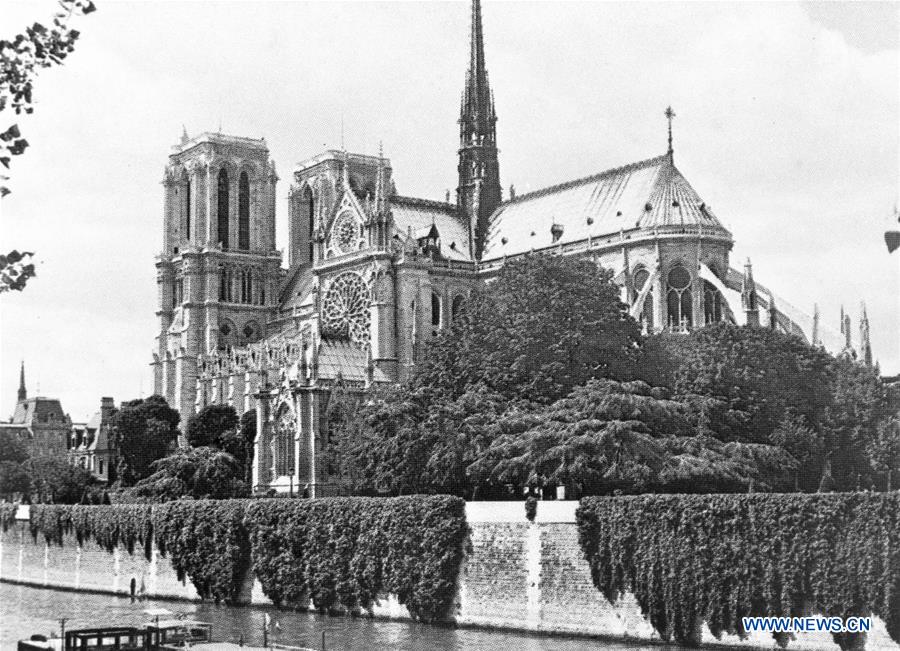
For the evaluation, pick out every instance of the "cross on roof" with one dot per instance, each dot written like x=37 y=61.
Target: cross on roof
x=669 y=115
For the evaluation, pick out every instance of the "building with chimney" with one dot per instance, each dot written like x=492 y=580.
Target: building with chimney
x=372 y=275
x=39 y=423
x=92 y=444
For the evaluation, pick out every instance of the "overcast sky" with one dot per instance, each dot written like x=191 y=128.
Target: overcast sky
x=787 y=125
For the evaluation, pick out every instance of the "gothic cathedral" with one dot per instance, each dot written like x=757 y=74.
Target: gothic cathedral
x=372 y=275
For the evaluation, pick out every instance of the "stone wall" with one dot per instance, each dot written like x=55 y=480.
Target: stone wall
x=517 y=575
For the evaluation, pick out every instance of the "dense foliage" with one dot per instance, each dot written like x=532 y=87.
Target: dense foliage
x=56 y=481
x=718 y=558
x=207 y=542
x=345 y=552
x=544 y=325
x=199 y=473
x=126 y=525
x=337 y=553
x=145 y=431
x=208 y=425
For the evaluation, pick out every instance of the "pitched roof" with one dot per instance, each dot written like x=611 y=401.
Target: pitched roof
x=39 y=411
x=650 y=194
x=422 y=213
x=341 y=358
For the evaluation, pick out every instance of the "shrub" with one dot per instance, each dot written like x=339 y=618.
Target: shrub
x=206 y=542
x=345 y=552
x=7 y=514
x=718 y=558
x=109 y=526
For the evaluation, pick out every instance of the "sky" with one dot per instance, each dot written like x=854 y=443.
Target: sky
x=788 y=126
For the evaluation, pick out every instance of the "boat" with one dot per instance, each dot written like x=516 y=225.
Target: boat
x=166 y=632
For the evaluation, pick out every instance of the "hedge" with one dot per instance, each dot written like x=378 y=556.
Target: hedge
x=207 y=542
x=345 y=552
x=337 y=553
x=690 y=559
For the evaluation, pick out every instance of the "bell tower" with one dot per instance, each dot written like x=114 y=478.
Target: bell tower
x=218 y=272
x=479 y=192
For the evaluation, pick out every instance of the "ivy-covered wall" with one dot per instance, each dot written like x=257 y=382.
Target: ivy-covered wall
x=694 y=559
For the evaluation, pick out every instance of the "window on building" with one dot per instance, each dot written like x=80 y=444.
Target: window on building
x=679 y=300
x=100 y=464
x=456 y=309
x=187 y=211
x=435 y=310
x=244 y=212
x=712 y=303
x=222 y=205
x=641 y=278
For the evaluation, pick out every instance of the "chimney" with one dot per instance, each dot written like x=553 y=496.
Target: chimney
x=107 y=406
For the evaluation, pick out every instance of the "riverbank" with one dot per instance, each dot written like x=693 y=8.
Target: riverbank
x=516 y=576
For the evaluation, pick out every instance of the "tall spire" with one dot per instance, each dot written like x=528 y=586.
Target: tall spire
x=479 y=171
x=23 y=394
x=815 y=325
x=670 y=115
x=865 y=344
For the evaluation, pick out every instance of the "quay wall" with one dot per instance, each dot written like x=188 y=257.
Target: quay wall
x=517 y=575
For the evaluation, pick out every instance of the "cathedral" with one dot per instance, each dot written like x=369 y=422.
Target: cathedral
x=373 y=275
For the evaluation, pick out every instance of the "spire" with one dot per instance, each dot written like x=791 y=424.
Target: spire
x=23 y=394
x=773 y=313
x=815 y=325
x=380 y=191
x=478 y=164
x=345 y=170
x=865 y=344
x=748 y=295
x=184 y=135
x=670 y=114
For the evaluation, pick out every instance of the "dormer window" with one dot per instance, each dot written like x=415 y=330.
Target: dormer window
x=556 y=231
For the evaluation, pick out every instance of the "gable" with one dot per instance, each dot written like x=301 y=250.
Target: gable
x=346 y=231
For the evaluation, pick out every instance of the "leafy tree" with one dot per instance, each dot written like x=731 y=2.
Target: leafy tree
x=806 y=445
x=884 y=450
x=57 y=482
x=247 y=431
x=12 y=448
x=607 y=437
x=208 y=425
x=544 y=325
x=22 y=57
x=850 y=423
x=201 y=473
x=14 y=478
x=145 y=430
x=759 y=372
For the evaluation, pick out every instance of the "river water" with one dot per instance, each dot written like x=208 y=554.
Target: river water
x=26 y=610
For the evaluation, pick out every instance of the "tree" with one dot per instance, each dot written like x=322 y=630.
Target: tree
x=12 y=448
x=14 y=478
x=145 y=430
x=608 y=436
x=759 y=372
x=57 y=482
x=208 y=425
x=247 y=431
x=884 y=450
x=544 y=325
x=806 y=445
x=200 y=473
x=22 y=57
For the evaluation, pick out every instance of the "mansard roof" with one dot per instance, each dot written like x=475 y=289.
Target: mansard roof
x=418 y=214
x=39 y=411
x=647 y=195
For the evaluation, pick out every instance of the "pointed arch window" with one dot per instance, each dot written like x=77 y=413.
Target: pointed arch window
x=187 y=210
x=435 y=311
x=679 y=299
x=641 y=278
x=222 y=205
x=244 y=212
x=712 y=303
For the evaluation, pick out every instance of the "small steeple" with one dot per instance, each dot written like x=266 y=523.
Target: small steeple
x=773 y=313
x=748 y=295
x=670 y=115
x=23 y=394
x=815 y=325
x=184 y=135
x=865 y=344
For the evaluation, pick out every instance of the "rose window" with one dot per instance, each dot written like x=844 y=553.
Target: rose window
x=345 y=309
x=345 y=233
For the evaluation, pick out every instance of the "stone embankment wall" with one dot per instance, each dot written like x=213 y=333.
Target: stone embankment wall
x=516 y=575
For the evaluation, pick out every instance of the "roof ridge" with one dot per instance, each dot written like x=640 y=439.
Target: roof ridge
x=424 y=202
x=587 y=179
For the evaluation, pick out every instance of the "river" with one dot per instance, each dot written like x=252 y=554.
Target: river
x=26 y=610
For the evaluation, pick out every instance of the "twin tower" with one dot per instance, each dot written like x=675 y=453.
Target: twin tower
x=220 y=277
